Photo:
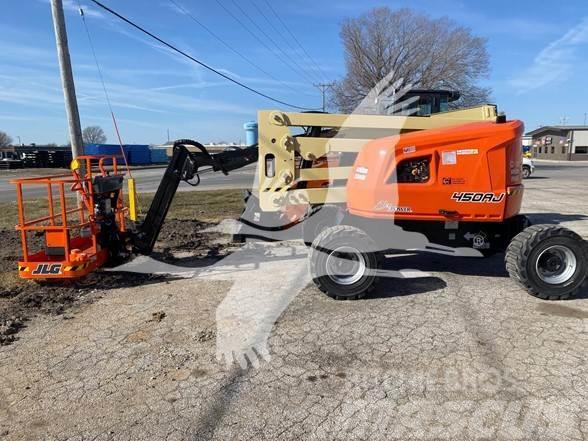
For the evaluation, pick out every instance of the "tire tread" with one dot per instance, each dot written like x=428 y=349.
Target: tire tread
x=334 y=233
x=521 y=247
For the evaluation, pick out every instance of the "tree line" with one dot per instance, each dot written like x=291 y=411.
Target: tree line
x=90 y=135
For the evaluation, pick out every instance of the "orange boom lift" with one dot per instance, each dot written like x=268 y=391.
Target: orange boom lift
x=353 y=187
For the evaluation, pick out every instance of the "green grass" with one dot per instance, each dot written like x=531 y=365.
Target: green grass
x=206 y=206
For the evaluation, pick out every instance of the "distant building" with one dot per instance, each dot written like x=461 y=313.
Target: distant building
x=569 y=143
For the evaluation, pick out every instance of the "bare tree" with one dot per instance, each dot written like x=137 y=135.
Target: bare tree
x=93 y=135
x=5 y=139
x=418 y=52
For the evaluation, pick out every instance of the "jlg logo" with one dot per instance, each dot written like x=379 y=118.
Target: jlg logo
x=45 y=269
x=483 y=198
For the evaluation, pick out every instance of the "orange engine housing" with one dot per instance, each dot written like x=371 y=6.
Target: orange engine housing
x=470 y=172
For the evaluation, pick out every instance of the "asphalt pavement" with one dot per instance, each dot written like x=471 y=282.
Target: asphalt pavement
x=147 y=181
x=452 y=349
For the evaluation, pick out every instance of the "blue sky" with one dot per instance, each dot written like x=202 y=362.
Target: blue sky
x=538 y=50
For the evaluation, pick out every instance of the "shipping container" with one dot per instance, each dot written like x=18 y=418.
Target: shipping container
x=135 y=154
x=159 y=155
x=139 y=155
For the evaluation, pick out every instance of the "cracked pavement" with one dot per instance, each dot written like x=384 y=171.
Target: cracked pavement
x=461 y=354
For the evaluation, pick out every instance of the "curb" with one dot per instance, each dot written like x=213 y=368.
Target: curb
x=555 y=161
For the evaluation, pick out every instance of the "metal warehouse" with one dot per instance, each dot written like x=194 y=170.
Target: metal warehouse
x=569 y=143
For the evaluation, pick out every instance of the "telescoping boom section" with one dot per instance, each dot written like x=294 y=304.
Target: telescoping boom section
x=306 y=158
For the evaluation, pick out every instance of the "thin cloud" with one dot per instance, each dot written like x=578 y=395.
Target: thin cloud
x=173 y=7
x=74 y=7
x=39 y=90
x=555 y=62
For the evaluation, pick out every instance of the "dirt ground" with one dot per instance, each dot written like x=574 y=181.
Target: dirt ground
x=20 y=300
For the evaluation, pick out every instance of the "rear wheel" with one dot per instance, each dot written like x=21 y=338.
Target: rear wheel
x=526 y=172
x=319 y=219
x=550 y=262
x=343 y=262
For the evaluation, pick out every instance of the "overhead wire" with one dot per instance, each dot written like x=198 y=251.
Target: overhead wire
x=193 y=59
x=104 y=88
x=248 y=60
x=273 y=41
x=283 y=58
x=317 y=69
x=108 y=102
x=271 y=8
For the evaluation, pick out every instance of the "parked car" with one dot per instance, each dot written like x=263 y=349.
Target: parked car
x=528 y=167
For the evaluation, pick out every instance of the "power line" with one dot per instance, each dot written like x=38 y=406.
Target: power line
x=286 y=61
x=323 y=87
x=98 y=68
x=106 y=95
x=188 y=56
x=317 y=70
x=228 y=46
x=273 y=41
x=277 y=31
x=271 y=8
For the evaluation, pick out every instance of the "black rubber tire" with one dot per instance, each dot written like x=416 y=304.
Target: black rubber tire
x=331 y=239
x=320 y=218
x=527 y=246
x=526 y=172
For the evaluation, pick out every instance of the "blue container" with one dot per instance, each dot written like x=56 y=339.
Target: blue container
x=251 y=134
x=139 y=154
x=159 y=156
x=103 y=149
x=135 y=154
x=107 y=149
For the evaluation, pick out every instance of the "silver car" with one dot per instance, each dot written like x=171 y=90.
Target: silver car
x=528 y=167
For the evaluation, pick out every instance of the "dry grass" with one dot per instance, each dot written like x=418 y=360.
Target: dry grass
x=206 y=206
x=34 y=209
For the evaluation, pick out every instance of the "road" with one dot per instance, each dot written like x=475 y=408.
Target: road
x=148 y=179
x=147 y=182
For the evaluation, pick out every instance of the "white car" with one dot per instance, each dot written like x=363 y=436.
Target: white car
x=528 y=167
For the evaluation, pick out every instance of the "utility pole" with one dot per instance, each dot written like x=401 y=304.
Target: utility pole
x=323 y=87
x=584 y=118
x=67 y=81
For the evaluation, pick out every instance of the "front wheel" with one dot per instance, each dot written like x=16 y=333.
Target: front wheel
x=526 y=172
x=549 y=261
x=343 y=262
